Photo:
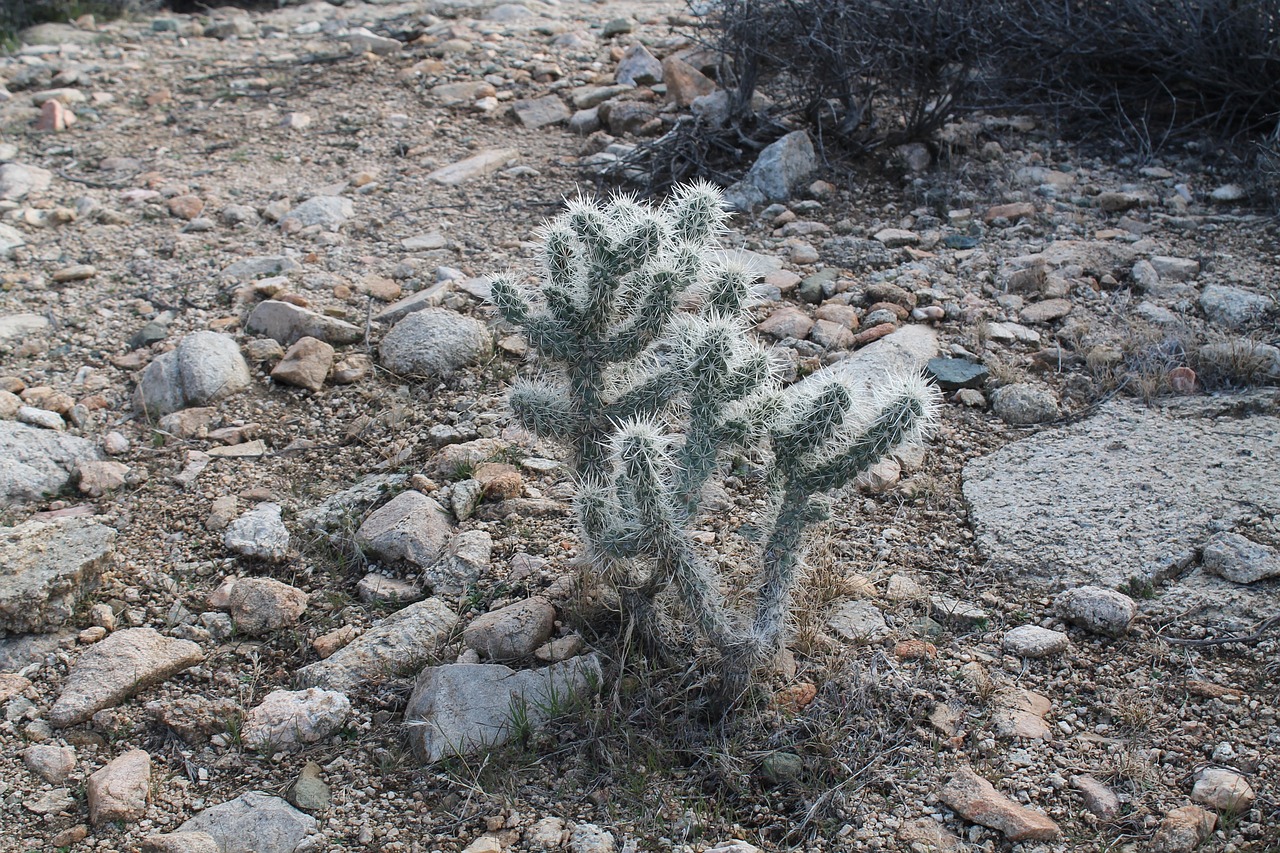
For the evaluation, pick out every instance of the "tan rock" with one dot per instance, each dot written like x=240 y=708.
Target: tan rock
x=512 y=632
x=975 y=799
x=98 y=478
x=185 y=206
x=1222 y=789
x=120 y=790
x=684 y=82
x=305 y=364
x=1182 y=830
x=109 y=672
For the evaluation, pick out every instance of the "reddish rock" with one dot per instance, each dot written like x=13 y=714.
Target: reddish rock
x=875 y=333
x=120 y=790
x=684 y=82
x=1011 y=212
x=786 y=323
x=975 y=799
x=185 y=206
x=1182 y=830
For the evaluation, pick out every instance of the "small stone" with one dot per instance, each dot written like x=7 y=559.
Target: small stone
x=512 y=632
x=433 y=343
x=259 y=533
x=204 y=368
x=185 y=206
x=290 y=719
x=261 y=605
x=915 y=650
x=1183 y=830
x=534 y=113
x=411 y=527
x=98 y=478
x=306 y=364
x=589 y=838
x=400 y=643
x=545 y=834
x=45 y=569
x=1032 y=641
x=926 y=834
x=1103 y=611
x=786 y=322
x=75 y=272
x=781 y=767
x=464 y=563
x=42 y=418
x=638 y=67
x=1045 y=312
x=1098 y=798
x=478 y=166
x=1234 y=307
x=380 y=589
x=685 y=84
x=976 y=800
x=1224 y=790
x=1228 y=193
x=858 y=621
x=952 y=374
x=53 y=764
x=180 y=842
x=561 y=648
x=119 y=791
x=309 y=791
x=1010 y=212
x=894 y=238
x=363 y=40
x=1023 y=403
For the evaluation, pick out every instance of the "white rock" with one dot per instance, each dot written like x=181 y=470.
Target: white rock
x=260 y=533
x=1032 y=641
x=290 y=719
x=1103 y=611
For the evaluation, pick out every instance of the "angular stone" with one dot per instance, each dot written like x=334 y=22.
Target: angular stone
x=328 y=212
x=380 y=589
x=261 y=605
x=952 y=374
x=484 y=163
x=1234 y=307
x=287 y=323
x=17 y=181
x=363 y=40
x=309 y=791
x=1046 y=311
x=1223 y=790
x=53 y=764
x=306 y=364
x=778 y=173
x=976 y=800
x=45 y=569
x=466 y=559
x=341 y=508
x=180 y=842
x=400 y=643
x=95 y=479
x=786 y=322
x=534 y=113
x=858 y=621
x=410 y=527
x=1183 y=830
x=1098 y=798
x=112 y=670
x=685 y=84
x=1024 y=403
x=638 y=67
x=512 y=632
x=120 y=790
x=460 y=709
x=894 y=238
x=290 y=719
x=20 y=327
x=253 y=823
x=1238 y=559
x=251 y=268
x=259 y=533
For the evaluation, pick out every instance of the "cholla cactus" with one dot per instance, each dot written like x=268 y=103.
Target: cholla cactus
x=658 y=382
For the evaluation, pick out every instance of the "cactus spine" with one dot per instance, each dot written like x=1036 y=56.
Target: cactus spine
x=652 y=396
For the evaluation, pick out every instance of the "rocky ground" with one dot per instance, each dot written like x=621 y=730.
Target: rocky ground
x=264 y=505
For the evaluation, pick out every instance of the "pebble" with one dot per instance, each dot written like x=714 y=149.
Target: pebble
x=53 y=764
x=1223 y=789
x=204 y=368
x=1098 y=798
x=858 y=621
x=975 y=799
x=306 y=364
x=309 y=791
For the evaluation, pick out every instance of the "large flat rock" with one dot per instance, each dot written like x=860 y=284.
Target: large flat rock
x=1130 y=495
x=45 y=567
x=112 y=670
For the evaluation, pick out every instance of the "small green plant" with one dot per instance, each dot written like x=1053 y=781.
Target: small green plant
x=660 y=384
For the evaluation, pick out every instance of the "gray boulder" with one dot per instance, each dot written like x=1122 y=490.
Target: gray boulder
x=38 y=462
x=461 y=709
x=328 y=211
x=1239 y=559
x=205 y=367
x=777 y=174
x=434 y=342
x=1023 y=403
x=253 y=823
x=1234 y=307
x=411 y=527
